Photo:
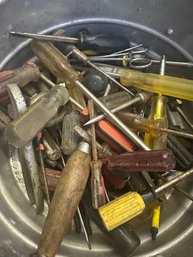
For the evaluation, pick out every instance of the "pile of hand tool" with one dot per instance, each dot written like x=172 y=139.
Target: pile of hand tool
x=101 y=132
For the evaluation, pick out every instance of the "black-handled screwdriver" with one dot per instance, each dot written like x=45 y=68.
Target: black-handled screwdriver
x=101 y=43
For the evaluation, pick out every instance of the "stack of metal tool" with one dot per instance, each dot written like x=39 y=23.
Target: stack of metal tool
x=99 y=136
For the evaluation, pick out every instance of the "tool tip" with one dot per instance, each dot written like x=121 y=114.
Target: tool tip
x=86 y=124
x=89 y=246
x=154 y=232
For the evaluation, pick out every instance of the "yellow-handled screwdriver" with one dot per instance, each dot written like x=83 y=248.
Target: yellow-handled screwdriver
x=158 y=112
x=130 y=205
x=155 y=83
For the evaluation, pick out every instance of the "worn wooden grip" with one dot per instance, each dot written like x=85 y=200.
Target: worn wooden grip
x=64 y=203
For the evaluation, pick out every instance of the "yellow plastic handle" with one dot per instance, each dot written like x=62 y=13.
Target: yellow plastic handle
x=121 y=210
x=155 y=83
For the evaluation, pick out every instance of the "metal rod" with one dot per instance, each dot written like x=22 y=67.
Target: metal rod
x=44 y=177
x=114 y=110
x=84 y=229
x=108 y=89
x=177 y=133
x=52 y=84
x=179 y=189
x=119 y=53
x=174 y=181
x=115 y=120
x=45 y=37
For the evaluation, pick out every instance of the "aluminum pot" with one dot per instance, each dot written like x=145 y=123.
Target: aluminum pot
x=165 y=26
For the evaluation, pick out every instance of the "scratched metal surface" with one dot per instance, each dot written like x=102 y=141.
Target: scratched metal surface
x=156 y=23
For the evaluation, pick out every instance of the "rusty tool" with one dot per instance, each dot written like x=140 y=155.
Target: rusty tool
x=97 y=181
x=40 y=150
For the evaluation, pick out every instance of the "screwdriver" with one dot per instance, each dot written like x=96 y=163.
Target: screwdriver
x=102 y=43
x=154 y=160
x=97 y=181
x=82 y=223
x=140 y=97
x=64 y=203
x=155 y=83
x=124 y=142
x=153 y=127
x=23 y=129
x=123 y=239
x=22 y=76
x=130 y=205
x=53 y=177
x=158 y=113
